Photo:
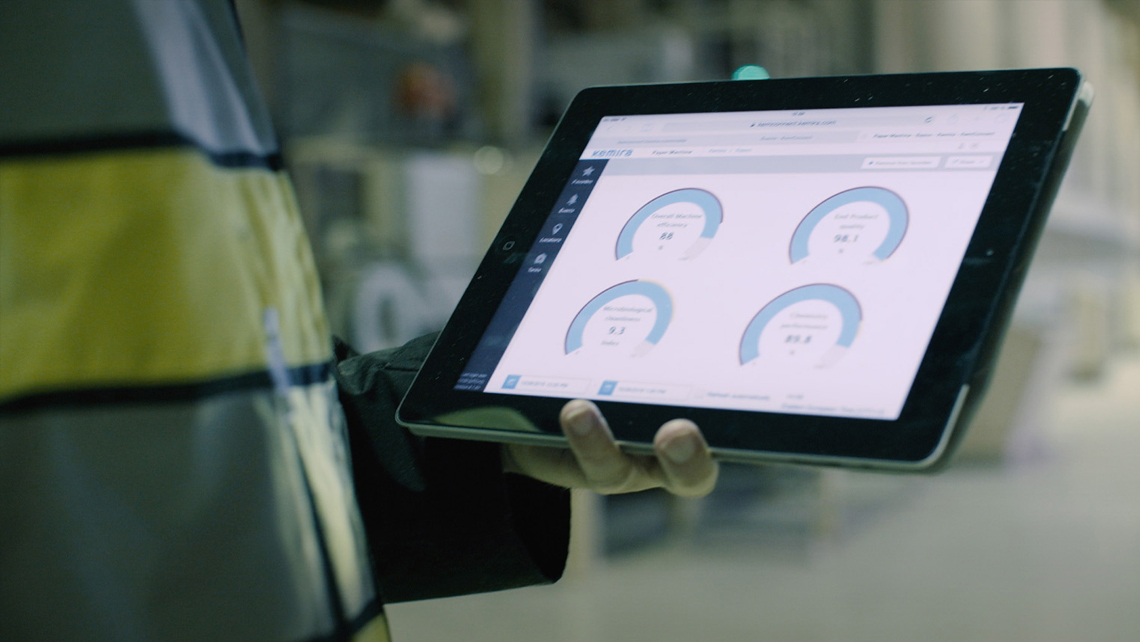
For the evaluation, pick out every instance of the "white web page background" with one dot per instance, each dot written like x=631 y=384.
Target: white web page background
x=715 y=295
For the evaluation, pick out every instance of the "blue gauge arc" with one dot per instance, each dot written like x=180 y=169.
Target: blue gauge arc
x=654 y=292
x=709 y=204
x=848 y=305
x=897 y=214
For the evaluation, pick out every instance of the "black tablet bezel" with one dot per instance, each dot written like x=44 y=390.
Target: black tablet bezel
x=971 y=322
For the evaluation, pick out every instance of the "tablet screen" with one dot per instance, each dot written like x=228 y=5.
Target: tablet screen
x=778 y=261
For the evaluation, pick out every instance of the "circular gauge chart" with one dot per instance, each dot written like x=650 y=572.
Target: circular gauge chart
x=676 y=225
x=865 y=224
x=813 y=324
x=628 y=318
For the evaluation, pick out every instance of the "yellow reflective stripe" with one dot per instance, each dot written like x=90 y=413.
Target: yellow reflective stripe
x=138 y=267
x=375 y=631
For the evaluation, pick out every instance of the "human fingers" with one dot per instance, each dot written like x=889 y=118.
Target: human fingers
x=685 y=460
x=605 y=468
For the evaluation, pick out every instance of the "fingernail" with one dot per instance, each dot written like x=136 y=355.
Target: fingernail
x=681 y=448
x=580 y=420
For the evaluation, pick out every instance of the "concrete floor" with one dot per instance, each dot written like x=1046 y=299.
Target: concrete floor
x=1044 y=548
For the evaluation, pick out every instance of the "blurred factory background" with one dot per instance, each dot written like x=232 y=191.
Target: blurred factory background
x=1035 y=532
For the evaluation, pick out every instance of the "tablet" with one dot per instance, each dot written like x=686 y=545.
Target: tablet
x=813 y=270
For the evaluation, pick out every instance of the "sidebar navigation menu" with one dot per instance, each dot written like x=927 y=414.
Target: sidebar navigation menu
x=530 y=275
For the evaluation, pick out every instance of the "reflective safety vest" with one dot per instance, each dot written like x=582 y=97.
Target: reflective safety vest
x=173 y=461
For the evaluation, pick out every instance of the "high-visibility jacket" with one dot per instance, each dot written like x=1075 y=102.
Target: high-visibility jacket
x=174 y=459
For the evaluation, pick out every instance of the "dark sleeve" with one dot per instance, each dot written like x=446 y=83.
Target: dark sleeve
x=441 y=516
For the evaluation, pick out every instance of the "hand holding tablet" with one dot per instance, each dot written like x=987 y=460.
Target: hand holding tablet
x=812 y=270
x=681 y=462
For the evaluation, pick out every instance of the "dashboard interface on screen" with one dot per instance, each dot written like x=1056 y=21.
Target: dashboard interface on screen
x=778 y=261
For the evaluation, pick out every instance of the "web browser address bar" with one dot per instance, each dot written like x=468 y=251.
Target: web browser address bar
x=792 y=122
x=743 y=138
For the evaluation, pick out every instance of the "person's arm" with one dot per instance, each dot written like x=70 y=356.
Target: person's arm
x=442 y=517
x=446 y=517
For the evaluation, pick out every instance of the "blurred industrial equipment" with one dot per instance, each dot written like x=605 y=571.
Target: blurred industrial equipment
x=410 y=126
